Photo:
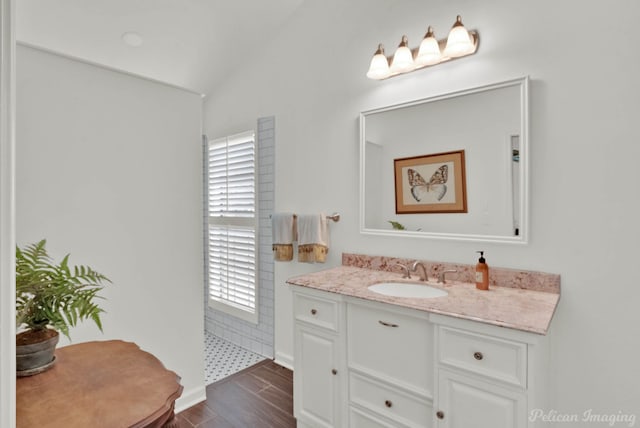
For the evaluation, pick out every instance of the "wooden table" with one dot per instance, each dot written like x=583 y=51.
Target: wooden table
x=108 y=384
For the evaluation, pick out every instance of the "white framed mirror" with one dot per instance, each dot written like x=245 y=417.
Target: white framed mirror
x=489 y=124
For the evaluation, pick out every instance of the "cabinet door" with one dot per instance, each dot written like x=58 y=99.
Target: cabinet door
x=465 y=402
x=316 y=378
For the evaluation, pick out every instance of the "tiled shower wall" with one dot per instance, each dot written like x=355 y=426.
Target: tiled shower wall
x=256 y=338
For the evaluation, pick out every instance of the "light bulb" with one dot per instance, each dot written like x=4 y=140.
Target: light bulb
x=429 y=52
x=402 y=58
x=379 y=68
x=459 y=42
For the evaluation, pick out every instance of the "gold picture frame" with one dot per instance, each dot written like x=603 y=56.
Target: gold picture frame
x=433 y=183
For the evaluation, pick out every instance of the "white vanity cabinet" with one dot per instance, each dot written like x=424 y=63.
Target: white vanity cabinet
x=319 y=375
x=365 y=364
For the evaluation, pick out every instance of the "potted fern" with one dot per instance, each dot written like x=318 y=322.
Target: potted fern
x=50 y=298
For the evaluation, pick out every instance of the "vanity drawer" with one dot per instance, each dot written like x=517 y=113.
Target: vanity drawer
x=392 y=346
x=404 y=408
x=361 y=419
x=489 y=356
x=316 y=310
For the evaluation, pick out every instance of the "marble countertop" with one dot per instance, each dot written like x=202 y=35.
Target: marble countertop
x=520 y=309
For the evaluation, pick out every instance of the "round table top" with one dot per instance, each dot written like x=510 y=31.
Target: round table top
x=98 y=384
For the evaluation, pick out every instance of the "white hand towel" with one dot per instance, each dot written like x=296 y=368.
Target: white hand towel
x=313 y=238
x=283 y=232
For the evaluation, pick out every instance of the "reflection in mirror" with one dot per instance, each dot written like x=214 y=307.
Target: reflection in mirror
x=489 y=124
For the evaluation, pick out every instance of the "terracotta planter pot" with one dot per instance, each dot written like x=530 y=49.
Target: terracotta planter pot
x=34 y=358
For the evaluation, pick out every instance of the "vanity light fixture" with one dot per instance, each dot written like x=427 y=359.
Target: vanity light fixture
x=379 y=68
x=403 y=58
x=458 y=44
x=459 y=41
x=429 y=51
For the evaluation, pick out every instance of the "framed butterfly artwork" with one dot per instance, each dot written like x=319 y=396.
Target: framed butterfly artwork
x=432 y=183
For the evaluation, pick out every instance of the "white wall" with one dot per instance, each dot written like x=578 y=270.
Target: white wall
x=585 y=144
x=109 y=170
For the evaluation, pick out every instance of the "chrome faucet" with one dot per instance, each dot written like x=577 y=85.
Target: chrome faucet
x=407 y=273
x=414 y=268
x=441 y=278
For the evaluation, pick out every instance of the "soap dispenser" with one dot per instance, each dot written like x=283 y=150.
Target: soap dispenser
x=482 y=273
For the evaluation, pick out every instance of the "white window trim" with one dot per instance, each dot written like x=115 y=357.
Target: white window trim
x=228 y=308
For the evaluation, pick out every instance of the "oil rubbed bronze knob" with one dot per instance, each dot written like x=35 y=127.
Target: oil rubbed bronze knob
x=440 y=414
x=313 y=312
x=334 y=372
x=388 y=403
x=478 y=355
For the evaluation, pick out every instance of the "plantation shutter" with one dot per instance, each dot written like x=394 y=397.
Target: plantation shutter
x=232 y=221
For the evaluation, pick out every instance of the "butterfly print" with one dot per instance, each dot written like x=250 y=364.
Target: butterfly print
x=419 y=187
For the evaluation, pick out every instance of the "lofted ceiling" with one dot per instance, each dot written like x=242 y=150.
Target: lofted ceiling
x=193 y=44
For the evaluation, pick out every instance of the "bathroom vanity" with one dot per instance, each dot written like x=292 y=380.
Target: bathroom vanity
x=469 y=359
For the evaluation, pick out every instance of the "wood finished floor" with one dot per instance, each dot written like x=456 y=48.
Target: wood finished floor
x=260 y=396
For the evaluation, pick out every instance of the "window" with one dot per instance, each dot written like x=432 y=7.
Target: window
x=232 y=234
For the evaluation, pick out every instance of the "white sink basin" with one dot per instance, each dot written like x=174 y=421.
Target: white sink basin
x=401 y=289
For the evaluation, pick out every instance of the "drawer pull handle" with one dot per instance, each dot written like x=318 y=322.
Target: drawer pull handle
x=478 y=356
x=440 y=414
x=313 y=312
x=387 y=324
x=388 y=403
x=334 y=372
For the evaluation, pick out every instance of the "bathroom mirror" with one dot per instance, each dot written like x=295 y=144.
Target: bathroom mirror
x=489 y=125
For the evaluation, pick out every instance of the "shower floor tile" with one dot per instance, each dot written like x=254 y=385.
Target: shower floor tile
x=224 y=358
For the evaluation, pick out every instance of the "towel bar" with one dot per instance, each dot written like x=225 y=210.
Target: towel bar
x=335 y=217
